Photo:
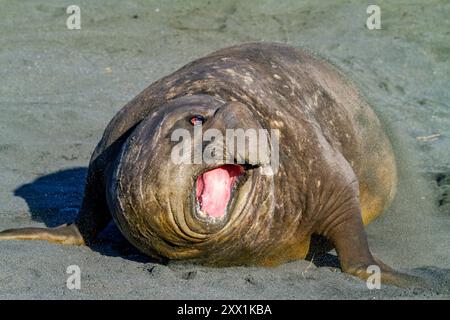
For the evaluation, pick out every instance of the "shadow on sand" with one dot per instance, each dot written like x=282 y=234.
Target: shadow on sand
x=55 y=199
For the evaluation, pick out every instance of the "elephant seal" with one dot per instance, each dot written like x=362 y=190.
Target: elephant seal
x=336 y=168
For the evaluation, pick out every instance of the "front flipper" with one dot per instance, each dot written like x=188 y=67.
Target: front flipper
x=350 y=241
x=64 y=234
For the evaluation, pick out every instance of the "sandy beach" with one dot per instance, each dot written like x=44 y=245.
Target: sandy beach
x=59 y=88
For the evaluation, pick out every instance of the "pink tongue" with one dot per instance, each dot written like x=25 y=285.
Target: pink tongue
x=214 y=189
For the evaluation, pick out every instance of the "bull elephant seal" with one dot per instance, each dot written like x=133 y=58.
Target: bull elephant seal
x=336 y=170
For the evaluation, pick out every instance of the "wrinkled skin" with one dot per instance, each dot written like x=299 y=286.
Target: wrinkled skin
x=336 y=174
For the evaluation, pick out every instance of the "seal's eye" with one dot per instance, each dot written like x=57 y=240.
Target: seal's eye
x=196 y=120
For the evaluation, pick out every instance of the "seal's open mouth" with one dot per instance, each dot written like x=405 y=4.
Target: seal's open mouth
x=214 y=189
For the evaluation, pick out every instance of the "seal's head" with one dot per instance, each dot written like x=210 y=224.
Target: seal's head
x=179 y=191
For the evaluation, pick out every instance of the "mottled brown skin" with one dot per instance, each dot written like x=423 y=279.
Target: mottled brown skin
x=337 y=169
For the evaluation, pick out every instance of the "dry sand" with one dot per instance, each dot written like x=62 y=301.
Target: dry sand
x=59 y=88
